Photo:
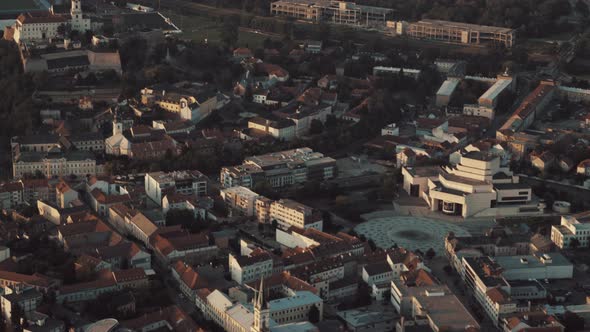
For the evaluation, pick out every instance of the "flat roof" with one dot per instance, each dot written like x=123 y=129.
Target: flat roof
x=495 y=90
x=358 y=318
x=301 y=298
x=467 y=26
x=516 y=262
x=446 y=311
x=448 y=87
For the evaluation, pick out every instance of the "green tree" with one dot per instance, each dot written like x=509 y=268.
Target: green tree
x=230 y=30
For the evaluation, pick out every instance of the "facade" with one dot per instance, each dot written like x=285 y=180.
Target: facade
x=246 y=269
x=31 y=27
x=55 y=164
x=280 y=169
x=456 y=32
x=11 y=195
x=192 y=104
x=158 y=184
x=476 y=185
x=289 y=213
x=282 y=129
x=241 y=199
x=27 y=300
x=330 y=11
x=572 y=227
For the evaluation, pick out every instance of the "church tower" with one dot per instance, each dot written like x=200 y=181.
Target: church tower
x=78 y=21
x=261 y=311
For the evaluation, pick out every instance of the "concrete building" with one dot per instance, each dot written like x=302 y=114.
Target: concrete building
x=280 y=169
x=446 y=91
x=490 y=98
x=27 y=299
x=365 y=321
x=11 y=195
x=190 y=182
x=246 y=269
x=289 y=213
x=476 y=185
x=572 y=227
x=456 y=32
x=241 y=199
x=331 y=11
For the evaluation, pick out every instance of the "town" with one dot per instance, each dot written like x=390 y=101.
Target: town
x=294 y=166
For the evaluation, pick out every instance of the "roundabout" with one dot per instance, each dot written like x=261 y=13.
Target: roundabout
x=409 y=232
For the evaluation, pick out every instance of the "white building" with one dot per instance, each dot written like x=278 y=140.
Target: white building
x=476 y=186
x=289 y=213
x=572 y=227
x=158 y=184
x=245 y=269
x=38 y=28
x=241 y=199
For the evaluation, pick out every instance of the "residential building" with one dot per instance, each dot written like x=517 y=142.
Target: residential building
x=245 y=269
x=572 y=232
x=190 y=182
x=281 y=129
x=289 y=213
x=171 y=318
x=188 y=279
x=133 y=278
x=25 y=298
x=11 y=195
x=240 y=199
x=65 y=194
x=280 y=169
x=171 y=244
x=87 y=291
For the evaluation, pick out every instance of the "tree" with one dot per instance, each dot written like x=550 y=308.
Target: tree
x=230 y=30
x=314 y=314
x=372 y=245
x=316 y=127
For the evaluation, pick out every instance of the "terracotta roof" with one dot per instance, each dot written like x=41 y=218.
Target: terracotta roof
x=33 y=280
x=168 y=244
x=124 y=249
x=106 y=281
x=103 y=198
x=189 y=276
x=531 y=102
x=497 y=295
x=129 y=275
x=11 y=187
x=176 y=318
x=83 y=227
x=29 y=18
x=256 y=256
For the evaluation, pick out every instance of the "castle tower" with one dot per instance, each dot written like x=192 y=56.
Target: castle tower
x=261 y=311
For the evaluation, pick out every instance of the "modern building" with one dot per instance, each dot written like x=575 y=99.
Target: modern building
x=289 y=213
x=280 y=169
x=477 y=185
x=456 y=32
x=189 y=182
x=331 y=11
x=241 y=199
x=573 y=231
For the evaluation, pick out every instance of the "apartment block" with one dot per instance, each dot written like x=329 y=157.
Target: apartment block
x=159 y=184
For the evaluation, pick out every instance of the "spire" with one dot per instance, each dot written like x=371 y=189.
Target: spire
x=260 y=302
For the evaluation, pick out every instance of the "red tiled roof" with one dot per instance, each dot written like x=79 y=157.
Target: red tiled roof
x=29 y=18
x=129 y=275
x=175 y=317
x=189 y=276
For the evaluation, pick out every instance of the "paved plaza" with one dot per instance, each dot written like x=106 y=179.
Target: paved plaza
x=409 y=232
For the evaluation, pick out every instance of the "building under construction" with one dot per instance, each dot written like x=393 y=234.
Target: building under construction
x=330 y=11
x=455 y=32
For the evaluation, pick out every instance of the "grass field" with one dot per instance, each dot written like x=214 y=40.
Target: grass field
x=199 y=28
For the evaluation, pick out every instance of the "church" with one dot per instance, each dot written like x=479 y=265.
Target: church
x=38 y=27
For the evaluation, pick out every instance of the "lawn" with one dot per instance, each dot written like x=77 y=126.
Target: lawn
x=199 y=28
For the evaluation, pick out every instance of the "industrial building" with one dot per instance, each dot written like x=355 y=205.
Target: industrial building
x=330 y=11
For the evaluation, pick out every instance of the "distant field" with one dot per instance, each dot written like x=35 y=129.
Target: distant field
x=16 y=5
x=199 y=28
